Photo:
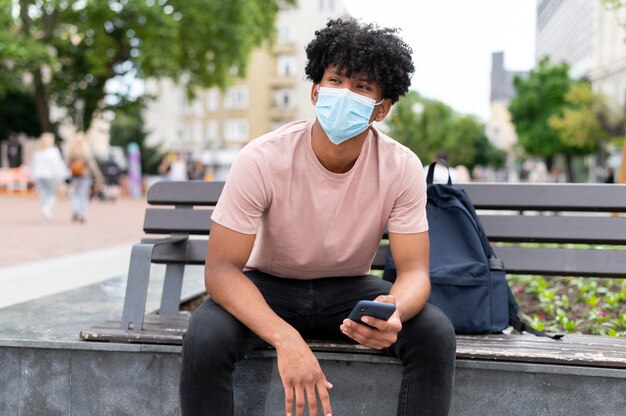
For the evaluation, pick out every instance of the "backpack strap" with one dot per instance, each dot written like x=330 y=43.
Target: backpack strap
x=431 y=171
x=521 y=326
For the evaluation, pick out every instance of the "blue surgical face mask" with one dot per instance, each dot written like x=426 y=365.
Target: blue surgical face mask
x=342 y=113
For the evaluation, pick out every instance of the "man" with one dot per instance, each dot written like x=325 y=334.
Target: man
x=295 y=231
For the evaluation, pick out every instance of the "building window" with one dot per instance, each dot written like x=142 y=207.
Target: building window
x=211 y=131
x=287 y=65
x=212 y=99
x=285 y=35
x=236 y=97
x=283 y=98
x=236 y=130
x=197 y=132
x=197 y=106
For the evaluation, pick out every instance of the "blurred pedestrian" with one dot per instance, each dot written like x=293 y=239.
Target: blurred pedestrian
x=610 y=176
x=174 y=167
x=84 y=171
x=48 y=169
x=196 y=172
x=442 y=169
x=111 y=172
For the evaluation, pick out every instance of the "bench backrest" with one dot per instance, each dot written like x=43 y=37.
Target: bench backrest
x=515 y=216
x=579 y=226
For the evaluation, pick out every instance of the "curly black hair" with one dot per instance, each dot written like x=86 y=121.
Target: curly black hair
x=358 y=48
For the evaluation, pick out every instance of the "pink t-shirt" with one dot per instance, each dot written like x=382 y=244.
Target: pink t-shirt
x=310 y=222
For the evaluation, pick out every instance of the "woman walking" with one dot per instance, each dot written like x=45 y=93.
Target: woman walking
x=48 y=169
x=84 y=170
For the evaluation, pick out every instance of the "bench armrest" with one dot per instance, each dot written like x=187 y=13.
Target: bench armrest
x=139 y=278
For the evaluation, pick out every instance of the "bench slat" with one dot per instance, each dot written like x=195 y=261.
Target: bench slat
x=555 y=229
x=559 y=197
x=185 y=193
x=563 y=262
x=582 y=350
x=178 y=221
x=190 y=252
x=586 y=350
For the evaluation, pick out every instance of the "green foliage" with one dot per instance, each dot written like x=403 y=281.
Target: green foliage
x=579 y=124
x=18 y=115
x=426 y=126
x=572 y=305
x=537 y=98
x=127 y=127
x=73 y=48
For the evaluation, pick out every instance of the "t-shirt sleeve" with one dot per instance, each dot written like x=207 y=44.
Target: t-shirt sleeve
x=408 y=215
x=244 y=198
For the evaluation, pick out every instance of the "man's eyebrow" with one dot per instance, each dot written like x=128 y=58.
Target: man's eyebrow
x=359 y=77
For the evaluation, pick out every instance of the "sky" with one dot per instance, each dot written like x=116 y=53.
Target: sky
x=452 y=42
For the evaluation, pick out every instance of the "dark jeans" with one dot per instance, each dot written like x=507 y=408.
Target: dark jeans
x=216 y=341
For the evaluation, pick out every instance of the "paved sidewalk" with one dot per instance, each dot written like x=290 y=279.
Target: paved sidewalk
x=28 y=238
x=38 y=259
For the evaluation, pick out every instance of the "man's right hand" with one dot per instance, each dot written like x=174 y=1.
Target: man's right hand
x=302 y=376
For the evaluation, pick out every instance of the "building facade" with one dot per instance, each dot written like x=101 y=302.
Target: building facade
x=608 y=73
x=216 y=124
x=499 y=128
x=565 y=30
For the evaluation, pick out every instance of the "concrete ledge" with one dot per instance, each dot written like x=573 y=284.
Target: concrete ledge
x=131 y=380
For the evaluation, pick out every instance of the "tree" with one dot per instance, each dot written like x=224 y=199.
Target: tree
x=68 y=50
x=18 y=115
x=537 y=98
x=427 y=126
x=580 y=124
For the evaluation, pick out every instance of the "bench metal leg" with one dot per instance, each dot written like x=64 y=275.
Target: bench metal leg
x=137 y=287
x=172 y=288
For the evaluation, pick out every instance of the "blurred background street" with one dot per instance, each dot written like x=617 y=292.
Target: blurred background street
x=110 y=224
x=40 y=259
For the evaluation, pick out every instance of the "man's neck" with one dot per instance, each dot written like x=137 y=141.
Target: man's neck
x=336 y=158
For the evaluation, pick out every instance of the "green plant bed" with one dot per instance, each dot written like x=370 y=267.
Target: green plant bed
x=572 y=305
x=558 y=304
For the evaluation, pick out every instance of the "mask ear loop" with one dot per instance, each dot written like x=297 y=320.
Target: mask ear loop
x=375 y=104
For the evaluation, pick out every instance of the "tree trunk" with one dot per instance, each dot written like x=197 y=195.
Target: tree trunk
x=569 y=168
x=41 y=101
x=41 y=98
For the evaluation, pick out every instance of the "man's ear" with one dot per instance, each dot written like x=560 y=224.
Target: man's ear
x=383 y=109
x=314 y=92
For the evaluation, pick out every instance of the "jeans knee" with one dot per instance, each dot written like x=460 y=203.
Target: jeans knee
x=214 y=338
x=432 y=332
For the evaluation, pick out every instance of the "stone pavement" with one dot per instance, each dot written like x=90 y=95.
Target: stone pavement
x=38 y=259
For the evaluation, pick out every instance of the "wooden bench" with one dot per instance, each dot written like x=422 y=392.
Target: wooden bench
x=510 y=213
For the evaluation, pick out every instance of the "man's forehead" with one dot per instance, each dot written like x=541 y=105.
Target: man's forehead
x=362 y=76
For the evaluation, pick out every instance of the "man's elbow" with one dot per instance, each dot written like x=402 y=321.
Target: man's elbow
x=216 y=276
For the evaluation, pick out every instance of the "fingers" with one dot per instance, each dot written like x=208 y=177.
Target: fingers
x=311 y=400
x=386 y=299
x=299 y=401
x=309 y=392
x=380 y=335
x=288 y=400
x=322 y=392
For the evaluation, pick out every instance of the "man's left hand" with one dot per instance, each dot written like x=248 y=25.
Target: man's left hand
x=379 y=334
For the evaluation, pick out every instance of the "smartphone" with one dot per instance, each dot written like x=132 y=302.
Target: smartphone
x=377 y=310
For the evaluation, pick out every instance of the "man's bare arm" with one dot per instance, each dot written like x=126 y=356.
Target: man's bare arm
x=409 y=292
x=412 y=286
x=227 y=254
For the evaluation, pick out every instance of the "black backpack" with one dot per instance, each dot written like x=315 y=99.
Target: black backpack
x=468 y=281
